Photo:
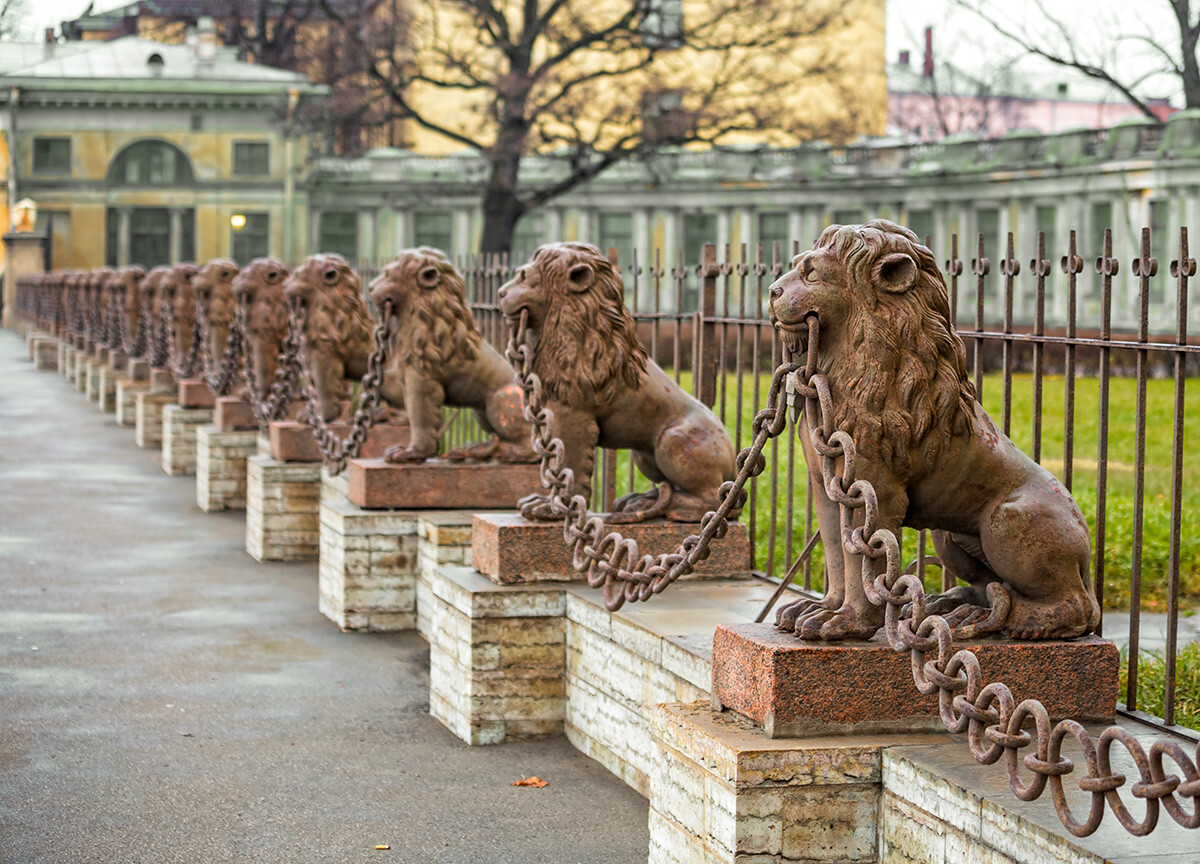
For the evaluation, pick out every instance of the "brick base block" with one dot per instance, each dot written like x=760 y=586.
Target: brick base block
x=221 y=468
x=149 y=414
x=179 y=438
x=282 y=498
x=125 y=401
x=790 y=687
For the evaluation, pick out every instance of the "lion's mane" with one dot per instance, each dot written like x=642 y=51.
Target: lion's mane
x=436 y=325
x=904 y=367
x=338 y=311
x=588 y=347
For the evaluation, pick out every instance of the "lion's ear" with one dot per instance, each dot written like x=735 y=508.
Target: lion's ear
x=896 y=273
x=428 y=277
x=330 y=275
x=580 y=277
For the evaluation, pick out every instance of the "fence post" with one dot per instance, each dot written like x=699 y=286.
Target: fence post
x=707 y=371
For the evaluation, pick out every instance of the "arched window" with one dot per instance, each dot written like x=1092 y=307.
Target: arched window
x=151 y=163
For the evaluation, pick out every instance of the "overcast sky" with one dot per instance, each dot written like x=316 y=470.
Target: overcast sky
x=957 y=34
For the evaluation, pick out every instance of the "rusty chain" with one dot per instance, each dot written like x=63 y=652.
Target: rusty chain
x=159 y=336
x=604 y=557
x=273 y=404
x=221 y=381
x=186 y=368
x=335 y=450
x=989 y=714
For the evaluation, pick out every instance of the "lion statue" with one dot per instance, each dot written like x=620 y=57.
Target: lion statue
x=125 y=284
x=605 y=391
x=260 y=286
x=213 y=285
x=442 y=359
x=151 y=304
x=338 y=332
x=897 y=376
x=176 y=289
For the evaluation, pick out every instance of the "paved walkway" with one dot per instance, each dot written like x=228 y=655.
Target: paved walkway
x=163 y=697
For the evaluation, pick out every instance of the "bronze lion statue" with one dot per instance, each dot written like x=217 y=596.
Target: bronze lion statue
x=605 y=391
x=214 y=284
x=897 y=376
x=338 y=332
x=442 y=359
x=260 y=285
x=152 y=304
x=176 y=289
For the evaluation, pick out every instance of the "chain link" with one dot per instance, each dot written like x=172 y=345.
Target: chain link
x=221 y=381
x=272 y=405
x=335 y=450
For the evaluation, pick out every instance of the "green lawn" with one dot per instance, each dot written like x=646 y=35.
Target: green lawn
x=772 y=552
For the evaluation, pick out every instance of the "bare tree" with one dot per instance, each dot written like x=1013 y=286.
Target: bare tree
x=606 y=82
x=12 y=17
x=1057 y=39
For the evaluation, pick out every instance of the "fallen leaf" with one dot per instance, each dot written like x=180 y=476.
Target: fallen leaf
x=382 y=846
x=536 y=782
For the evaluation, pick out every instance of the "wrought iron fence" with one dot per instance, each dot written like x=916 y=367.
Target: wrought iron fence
x=1103 y=406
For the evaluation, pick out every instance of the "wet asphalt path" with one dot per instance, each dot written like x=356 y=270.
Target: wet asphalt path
x=164 y=697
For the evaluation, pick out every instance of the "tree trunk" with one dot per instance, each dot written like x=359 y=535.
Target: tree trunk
x=501 y=205
x=501 y=210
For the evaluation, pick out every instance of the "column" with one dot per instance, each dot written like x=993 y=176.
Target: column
x=585 y=225
x=403 y=235
x=723 y=234
x=554 y=224
x=123 y=237
x=462 y=234
x=176 y=253
x=672 y=243
x=366 y=237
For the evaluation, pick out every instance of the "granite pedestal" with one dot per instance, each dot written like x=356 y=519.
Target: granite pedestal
x=438 y=484
x=509 y=548
x=292 y=441
x=792 y=688
x=194 y=393
x=232 y=414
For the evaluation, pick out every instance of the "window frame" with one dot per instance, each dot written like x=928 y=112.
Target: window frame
x=51 y=139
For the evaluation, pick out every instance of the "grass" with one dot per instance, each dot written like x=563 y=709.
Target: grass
x=774 y=550
x=1151 y=687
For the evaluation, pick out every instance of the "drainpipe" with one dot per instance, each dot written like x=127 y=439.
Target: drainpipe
x=14 y=96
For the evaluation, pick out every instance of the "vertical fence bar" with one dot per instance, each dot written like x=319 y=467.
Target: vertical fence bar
x=1010 y=267
x=1072 y=265
x=705 y=370
x=1182 y=268
x=980 y=266
x=1039 y=267
x=954 y=269
x=1143 y=267
x=1108 y=267
x=679 y=274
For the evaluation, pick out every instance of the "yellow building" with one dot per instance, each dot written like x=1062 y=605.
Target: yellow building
x=140 y=152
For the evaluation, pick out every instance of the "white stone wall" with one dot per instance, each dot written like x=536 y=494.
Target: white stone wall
x=149 y=413
x=221 y=468
x=282 y=522
x=179 y=427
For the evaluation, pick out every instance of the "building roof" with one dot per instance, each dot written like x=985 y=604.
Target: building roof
x=114 y=17
x=132 y=58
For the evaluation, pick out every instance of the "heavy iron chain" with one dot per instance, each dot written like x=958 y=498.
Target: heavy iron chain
x=604 y=557
x=335 y=450
x=990 y=715
x=186 y=368
x=159 y=339
x=137 y=348
x=273 y=404
x=116 y=322
x=220 y=382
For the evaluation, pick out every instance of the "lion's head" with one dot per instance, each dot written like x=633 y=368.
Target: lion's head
x=588 y=345
x=886 y=340
x=260 y=286
x=428 y=297
x=214 y=286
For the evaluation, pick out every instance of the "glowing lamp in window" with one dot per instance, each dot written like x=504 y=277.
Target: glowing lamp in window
x=237 y=221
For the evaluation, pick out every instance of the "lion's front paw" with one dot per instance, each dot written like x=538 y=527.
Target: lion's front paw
x=786 y=616
x=537 y=508
x=837 y=625
x=397 y=455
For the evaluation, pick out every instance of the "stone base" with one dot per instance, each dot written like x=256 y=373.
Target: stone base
x=282 y=498
x=221 y=468
x=497 y=656
x=375 y=484
x=295 y=442
x=234 y=415
x=149 y=413
x=44 y=350
x=721 y=792
x=139 y=370
x=791 y=688
x=82 y=359
x=91 y=384
x=508 y=548
x=117 y=362
x=194 y=393
x=66 y=358
x=125 y=400
x=179 y=438
x=162 y=382
x=370 y=561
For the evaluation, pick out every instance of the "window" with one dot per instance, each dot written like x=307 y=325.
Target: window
x=1160 y=242
x=920 y=222
x=252 y=239
x=51 y=155
x=530 y=233
x=434 y=228
x=1046 y=221
x=616 y=232
x=847 y=217
x=773 y=229
x=150 y=163
x=662 y=25
x=1102 y=217
x=251 y=158
x=150 y=236
x=987 y=223
x=338 y=231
